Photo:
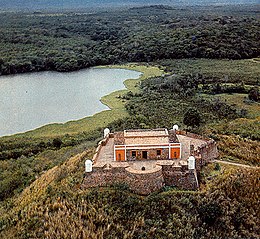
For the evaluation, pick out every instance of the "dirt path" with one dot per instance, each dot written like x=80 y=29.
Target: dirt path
x=236 y=164
x=257 y=61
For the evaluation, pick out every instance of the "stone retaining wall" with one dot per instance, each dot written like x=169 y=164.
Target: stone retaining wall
x=205 y=153
x=145 y=183
x=141 y=183
x=184 y=179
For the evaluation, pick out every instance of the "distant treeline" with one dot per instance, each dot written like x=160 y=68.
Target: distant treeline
x=70 y=41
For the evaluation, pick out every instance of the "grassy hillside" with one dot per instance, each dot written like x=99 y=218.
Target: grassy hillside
x=54 y=206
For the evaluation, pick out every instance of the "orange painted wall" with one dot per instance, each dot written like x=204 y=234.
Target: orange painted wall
x=120 y=155
x=177 y=151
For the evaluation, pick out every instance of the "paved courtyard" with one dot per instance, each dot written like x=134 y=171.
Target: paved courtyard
x=185 y=145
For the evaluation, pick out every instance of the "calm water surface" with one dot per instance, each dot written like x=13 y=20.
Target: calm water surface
x=28 y=101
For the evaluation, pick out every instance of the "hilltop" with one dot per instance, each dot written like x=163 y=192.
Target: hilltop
x=54 y=206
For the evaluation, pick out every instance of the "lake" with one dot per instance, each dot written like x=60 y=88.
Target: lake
x=28 y=101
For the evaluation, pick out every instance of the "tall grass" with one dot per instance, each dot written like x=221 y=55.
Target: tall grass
x=227 y=70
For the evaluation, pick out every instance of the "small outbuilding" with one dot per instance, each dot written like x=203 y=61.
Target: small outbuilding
x=145 y=144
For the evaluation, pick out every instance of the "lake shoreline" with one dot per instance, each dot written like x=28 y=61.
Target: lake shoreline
x=100 y=119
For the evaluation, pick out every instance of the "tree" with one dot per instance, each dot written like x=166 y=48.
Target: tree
x=192 y=118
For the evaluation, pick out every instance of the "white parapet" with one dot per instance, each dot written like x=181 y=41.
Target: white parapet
x=88 y=166
x=106 y=132
x=191 y=163
x=175 y=127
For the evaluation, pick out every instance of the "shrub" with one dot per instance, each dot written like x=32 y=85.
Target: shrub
x=57 y=143
x=210 y=212
x=217 y=167
x=254 y=94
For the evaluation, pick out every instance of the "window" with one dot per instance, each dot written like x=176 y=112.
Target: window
x=144 y=154
x=159 y=152
x=134 y=154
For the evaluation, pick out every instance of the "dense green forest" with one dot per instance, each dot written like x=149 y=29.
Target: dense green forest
x=70 y=41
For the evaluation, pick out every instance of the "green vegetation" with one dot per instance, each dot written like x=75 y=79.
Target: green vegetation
x=238 y=149
x=44 y=186
x=54 y=207
x=41 y=171
x=241 y=101
x=192 y=118
x=164 y=101
x=17 y=174
x=254 y=94
x=222 y=71
x=65 y=42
